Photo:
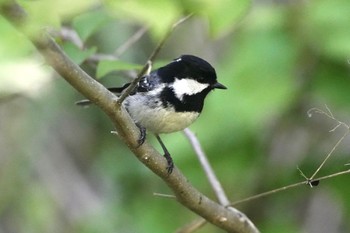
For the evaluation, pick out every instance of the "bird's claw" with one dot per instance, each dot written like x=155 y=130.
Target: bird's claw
x=142 y=137
x=170 y=166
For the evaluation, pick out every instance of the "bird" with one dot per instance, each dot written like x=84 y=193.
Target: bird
x=170 y=98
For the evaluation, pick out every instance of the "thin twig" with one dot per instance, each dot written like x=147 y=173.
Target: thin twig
x=169 y=196
x=213 y=180
x=151 y=58
x=329 y=154
x=72 y=36
x=121 y=49
x=264 y=194
x=330 y=115
x=167 y=35
x=208 y=170
x=131 y=41
x=102 y=56
x=192 y=226
x=310 y=182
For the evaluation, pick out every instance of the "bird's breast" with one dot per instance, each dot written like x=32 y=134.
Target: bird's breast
x=151 y=114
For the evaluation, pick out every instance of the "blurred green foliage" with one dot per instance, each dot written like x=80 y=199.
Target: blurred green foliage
x=62 y=171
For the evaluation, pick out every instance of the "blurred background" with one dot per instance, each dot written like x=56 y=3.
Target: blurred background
x=61 y=170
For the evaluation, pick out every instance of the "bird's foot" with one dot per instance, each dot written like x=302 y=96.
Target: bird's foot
x=142 y=137
x=170 y=166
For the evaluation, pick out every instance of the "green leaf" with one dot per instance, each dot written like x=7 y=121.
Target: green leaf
x=159 y=15
x=321 y=21
x=88 y=23
x=12 y=44
x=104 y=67
x=159 y=63
x=50 y=13
x=76 y=54
x=221 y=14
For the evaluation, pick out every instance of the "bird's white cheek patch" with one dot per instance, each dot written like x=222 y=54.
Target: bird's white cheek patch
x=185 y=86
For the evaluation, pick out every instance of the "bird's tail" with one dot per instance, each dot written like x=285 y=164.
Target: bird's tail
x=115 y=90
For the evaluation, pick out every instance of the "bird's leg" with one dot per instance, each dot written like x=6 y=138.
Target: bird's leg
x=167 y=156
x=142 y=137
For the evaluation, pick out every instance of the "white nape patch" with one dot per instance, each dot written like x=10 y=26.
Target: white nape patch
x=186 y=86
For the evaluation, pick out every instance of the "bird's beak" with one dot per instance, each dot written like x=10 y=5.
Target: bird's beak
x=218 y=86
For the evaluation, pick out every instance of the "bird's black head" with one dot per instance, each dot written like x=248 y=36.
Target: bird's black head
x=190 y=67
x=189 y=79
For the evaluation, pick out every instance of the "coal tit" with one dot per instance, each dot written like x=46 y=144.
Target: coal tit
x=170 y=98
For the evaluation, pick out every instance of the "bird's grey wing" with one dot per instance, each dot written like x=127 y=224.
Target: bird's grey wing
x=147 y=83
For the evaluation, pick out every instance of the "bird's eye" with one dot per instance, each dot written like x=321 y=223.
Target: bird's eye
x=201 y=79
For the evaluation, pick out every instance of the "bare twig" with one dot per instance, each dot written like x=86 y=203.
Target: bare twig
x=165 y=38
x=164 y=195
x=213 y=180
x=208 y=170
x=72 y=36
x=121 y=49
x=132 y=40
x=330 y=115
x=102 y=56
x=287 y=187
x=312 y=183
x=329 y=154
x=151 y=58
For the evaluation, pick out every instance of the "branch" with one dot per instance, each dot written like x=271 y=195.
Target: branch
x=213 y=180
x=208 y=170
x=284 y=188
x=185 y=193
x=330 y=115
x=130 y=42
x=150 y=60
x=121 y=49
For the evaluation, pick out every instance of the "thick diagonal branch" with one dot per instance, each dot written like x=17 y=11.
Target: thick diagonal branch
x=231 y=221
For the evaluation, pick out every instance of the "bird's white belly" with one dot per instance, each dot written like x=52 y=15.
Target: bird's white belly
x=157 y=119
